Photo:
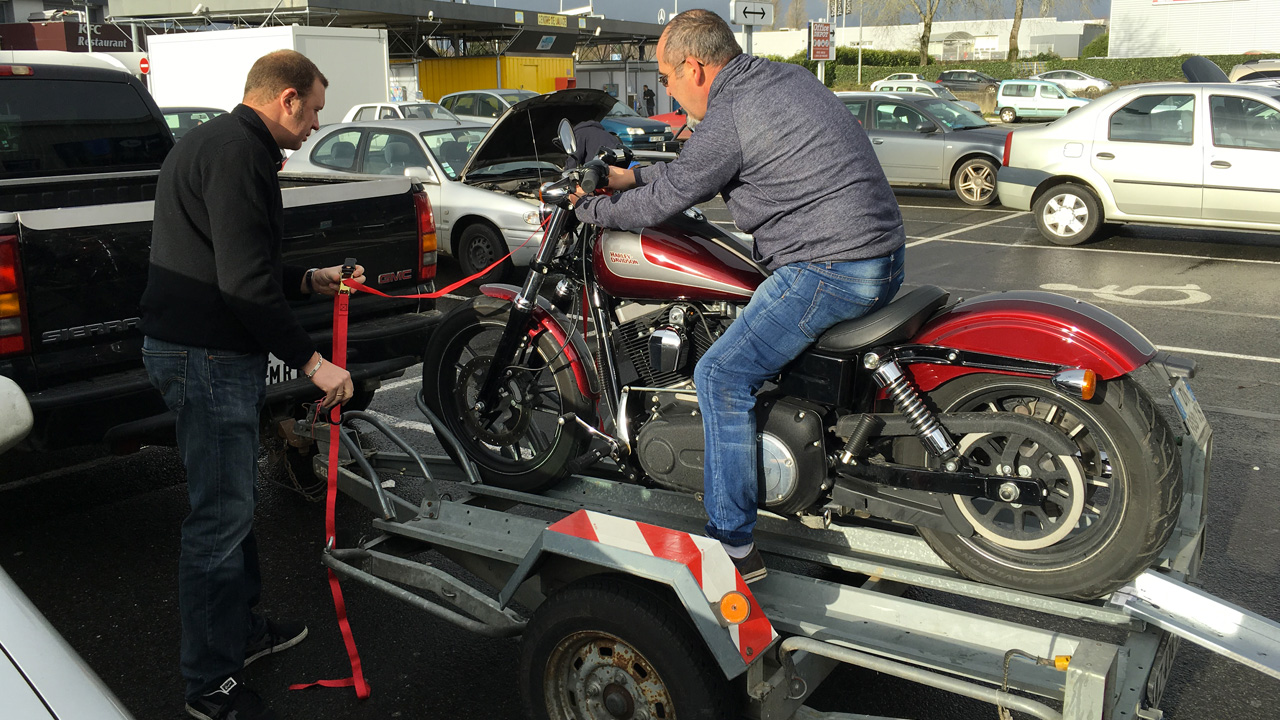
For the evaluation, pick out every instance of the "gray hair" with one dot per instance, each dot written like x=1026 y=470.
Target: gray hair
x=701 y=34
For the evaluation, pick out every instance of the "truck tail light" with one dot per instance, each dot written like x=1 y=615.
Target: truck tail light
x=426 y=236
x=1008 y=148
x=11 y=70
x=14 y=335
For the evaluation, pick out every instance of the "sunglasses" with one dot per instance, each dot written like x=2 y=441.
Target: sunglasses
x=663 y=78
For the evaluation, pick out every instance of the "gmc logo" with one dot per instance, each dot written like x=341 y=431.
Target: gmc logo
x=391 y=277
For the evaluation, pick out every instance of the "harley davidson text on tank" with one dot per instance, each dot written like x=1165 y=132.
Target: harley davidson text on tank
x=1006 y=429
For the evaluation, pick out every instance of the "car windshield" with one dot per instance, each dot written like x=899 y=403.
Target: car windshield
x=944 y=93
x=952 y=115
x=1064 y=90
x=620 y=110
x=183 y=121
x=453 y=148
x=516 y=96
x=426 y=111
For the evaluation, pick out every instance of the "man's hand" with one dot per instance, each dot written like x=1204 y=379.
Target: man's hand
x=333 y=380
x=327 y=281
x=619 y=179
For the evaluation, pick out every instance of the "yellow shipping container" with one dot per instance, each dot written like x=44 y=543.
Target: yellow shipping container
x=441 y=76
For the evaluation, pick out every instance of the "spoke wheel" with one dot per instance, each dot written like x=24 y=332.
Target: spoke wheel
x=1112 y=504
x=517 y=441
x=1068 y=214
x=975 y=182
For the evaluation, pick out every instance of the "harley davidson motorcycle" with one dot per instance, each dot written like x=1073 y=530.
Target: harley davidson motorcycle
x=1005 y=428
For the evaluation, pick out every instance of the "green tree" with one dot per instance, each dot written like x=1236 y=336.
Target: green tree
x=1098 y=47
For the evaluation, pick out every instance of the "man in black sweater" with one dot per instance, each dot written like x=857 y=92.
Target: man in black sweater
x=216 y=303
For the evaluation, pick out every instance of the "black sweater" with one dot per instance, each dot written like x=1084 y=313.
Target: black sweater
x=216 y=278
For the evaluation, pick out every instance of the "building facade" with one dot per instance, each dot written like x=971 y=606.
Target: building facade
x=1160 y=28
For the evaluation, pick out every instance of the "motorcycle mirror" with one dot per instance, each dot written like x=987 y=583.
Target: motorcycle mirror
x=566 y=137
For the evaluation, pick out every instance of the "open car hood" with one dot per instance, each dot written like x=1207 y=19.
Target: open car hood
x=526 y=131
x=1200 y=69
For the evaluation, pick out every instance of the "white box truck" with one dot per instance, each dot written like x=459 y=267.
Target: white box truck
x=208 y=69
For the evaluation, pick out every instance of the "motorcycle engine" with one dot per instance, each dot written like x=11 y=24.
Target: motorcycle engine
x=791 y=462
x=661 y=344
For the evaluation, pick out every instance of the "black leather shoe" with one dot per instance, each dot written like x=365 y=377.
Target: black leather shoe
x=231 y=700
x=751 y=567
x=276 y=637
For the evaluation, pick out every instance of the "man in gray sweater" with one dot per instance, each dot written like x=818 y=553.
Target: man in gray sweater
x=796 y=171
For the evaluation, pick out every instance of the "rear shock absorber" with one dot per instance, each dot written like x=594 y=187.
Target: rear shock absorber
x=889 y=376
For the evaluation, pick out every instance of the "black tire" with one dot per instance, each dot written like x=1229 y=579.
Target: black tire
x=524 y=447
x=1068 y=214
x=1008 y=115
x=569 y=657
x=1128 y=495
x=975 y=181
x=478 y=247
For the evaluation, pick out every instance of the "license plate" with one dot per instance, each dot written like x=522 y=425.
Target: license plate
x=655 y=138
x=278 y=372
x=1189 y=408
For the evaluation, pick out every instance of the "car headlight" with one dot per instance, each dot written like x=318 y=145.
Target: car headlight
x=635 y=131
x=668 y=130
x=532 y=218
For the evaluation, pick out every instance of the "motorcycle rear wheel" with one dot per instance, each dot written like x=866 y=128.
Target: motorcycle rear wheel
x=1132 y=490
x=522 y=445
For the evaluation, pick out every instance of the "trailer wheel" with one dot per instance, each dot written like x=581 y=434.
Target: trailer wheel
x=607 y=647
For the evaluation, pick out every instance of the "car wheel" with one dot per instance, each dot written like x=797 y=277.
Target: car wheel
x=1068 y=214
x=975 y=181
x=478 y=248
x=1093 y=89
x=1008 y=115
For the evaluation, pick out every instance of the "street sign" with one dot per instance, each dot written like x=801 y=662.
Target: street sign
x=820 y=46
x=750 y=13
x=144 y=66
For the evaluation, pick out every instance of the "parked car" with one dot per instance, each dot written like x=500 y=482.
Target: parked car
x=924 y=141
x=1191 y=154
x=967 y=81
x=413 y=109
x=182 y=119
x=1019 y=99
x=925 y=88
x=1075 y=81
x=476 y=222
x=679 y=122
x=1257 y=72
x=636 y=131
x=483 y=106
x=913 y=77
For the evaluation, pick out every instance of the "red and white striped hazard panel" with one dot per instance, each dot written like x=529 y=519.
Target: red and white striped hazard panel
x=711 y=566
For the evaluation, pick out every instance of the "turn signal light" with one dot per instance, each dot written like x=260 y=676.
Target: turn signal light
x=1081 y=383
x=426 y=235
x=734 y=608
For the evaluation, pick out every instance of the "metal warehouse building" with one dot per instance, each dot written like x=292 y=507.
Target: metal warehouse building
x=1158 y=28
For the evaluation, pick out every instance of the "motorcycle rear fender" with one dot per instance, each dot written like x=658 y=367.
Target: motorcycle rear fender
x=553 y=322
x=1033 y=325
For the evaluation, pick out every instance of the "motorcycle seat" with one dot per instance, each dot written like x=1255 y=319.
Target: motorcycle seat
x=898 y=321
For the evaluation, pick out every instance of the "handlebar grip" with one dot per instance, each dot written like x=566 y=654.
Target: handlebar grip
x=591 y=176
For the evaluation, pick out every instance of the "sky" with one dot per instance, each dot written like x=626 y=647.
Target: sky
x=647 y=10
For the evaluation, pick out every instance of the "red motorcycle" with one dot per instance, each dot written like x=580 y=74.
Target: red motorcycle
x=1005 y=428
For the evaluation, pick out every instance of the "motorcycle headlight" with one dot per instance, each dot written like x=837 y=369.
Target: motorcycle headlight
x=635 y=131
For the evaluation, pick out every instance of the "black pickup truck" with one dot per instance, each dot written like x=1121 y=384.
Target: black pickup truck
x=80 y=152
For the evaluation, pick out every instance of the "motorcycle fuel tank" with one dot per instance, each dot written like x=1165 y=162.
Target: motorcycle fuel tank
x=683 y=259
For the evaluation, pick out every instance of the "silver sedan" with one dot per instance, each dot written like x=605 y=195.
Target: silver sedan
x=925 y=141
x=477 y=225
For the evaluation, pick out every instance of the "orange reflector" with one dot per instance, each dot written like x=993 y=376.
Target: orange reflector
x=1061 y=662
x=1090 y=385
x=9 y=305
x=734 y=607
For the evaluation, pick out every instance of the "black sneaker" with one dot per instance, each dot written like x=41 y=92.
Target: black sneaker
x=276 y=637
x=751 y=567
x=232 y=700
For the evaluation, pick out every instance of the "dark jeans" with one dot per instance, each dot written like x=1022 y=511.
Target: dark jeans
x=218 y=396
x=789 y=310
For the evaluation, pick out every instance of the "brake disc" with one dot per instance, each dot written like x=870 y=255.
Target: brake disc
x=507 y=421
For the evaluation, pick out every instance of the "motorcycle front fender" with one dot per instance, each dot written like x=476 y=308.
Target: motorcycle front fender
x=553 y=322
x=1033 y=325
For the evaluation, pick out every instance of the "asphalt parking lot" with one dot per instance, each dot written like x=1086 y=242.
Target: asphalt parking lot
x=93 y=539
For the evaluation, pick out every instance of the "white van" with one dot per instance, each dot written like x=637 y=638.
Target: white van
x=1017 y=99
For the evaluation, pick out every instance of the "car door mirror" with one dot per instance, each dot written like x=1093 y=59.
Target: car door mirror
x=926 y=126
x=422 y=174
x=565 y=135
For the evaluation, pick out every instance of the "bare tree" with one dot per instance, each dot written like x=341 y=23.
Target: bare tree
x=797 y=16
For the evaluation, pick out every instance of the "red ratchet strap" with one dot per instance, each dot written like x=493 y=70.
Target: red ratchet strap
x=341 y=305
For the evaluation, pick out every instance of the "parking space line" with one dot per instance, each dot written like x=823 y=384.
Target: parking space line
x=401 y=383
x=1216 y=353
x=966 y=209
x=1110 y=250
x=949 y=233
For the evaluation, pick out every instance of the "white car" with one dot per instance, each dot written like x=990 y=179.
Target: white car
x=483 y=106
x=412 y=109
x=15 y=414
x=1257 y=72
x=477 y=221
x=924 y=87
x=909 y=77
x=1075 y=81
x=1198 y=154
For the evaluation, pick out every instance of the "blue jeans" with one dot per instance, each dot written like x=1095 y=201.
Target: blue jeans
x=218 y=396
x=789 y=310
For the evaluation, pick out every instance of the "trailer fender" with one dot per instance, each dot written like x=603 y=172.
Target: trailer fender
x=696 y=568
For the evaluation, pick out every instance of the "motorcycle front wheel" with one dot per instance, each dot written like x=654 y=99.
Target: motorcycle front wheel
x=520 y=443
x=1112 y=505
